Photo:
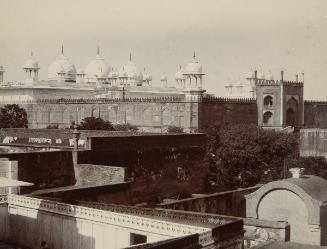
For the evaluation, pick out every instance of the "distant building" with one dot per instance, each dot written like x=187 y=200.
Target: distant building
x=127 y=95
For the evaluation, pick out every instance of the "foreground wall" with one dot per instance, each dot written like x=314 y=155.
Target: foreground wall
x=31 y=220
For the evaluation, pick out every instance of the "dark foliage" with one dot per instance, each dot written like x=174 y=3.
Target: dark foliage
x=12 y=116
x=92 y=123
x=244 y=155
x=175 y=129
x=53 y=126
x=126 y=127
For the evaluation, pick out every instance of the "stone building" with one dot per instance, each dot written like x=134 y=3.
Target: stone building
x=127 y=95
x=300 y=201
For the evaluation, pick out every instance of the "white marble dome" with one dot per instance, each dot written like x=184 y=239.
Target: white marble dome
x=194 y=67
x=31 y=63
x=122 y=73
x=163 y=77
x=179 y=75
x=80 y=71
x=97 y=67
x=147 y=77
x=261 y=75
x=269 y=76
x=250 y=75
x=132 y=71
x=113 y=74
x=62 y=65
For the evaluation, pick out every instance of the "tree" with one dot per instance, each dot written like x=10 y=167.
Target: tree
x=245 y=154
x=126 y=127
x=13 y=116
x=53 y=126
x=92 y=123
x=175 y=129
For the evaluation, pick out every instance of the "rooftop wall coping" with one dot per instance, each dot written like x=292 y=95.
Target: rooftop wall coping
x=265 y=223
x=208 y=196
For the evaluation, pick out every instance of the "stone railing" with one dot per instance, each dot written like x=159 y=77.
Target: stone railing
x=171 y=215
x=220 y=226
x=116 y=217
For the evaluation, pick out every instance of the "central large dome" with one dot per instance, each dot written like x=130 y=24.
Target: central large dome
x=134 y=75
x=97 y=68
x=62 y=69
x=132 y=71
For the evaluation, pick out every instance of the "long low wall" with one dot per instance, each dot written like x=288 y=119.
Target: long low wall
x=230 y=203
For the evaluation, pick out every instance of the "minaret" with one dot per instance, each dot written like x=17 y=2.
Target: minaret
x=31 y=68
x=1 y=74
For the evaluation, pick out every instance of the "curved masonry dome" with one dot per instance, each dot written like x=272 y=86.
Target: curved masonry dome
x=62 y=66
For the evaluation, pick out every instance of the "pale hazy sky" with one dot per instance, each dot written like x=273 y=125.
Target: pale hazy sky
x=229 y=36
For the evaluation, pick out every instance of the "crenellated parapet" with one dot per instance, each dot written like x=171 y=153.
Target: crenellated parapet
x=293 y=83
x=264 y=82
x=228 y=100
x=103 y=100
x=315 y=102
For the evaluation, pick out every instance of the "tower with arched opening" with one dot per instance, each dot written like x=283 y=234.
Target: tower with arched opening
x=280 y=103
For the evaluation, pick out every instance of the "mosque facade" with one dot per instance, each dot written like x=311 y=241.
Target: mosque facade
x=127 y=95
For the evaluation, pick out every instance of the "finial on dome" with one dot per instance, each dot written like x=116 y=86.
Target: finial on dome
x=193 y=54
x=98 y=51
x=180 y=67
x=32 y=54
x=62 y=49
x=130 y=56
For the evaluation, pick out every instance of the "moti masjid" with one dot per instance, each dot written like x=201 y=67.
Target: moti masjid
x=127 y=95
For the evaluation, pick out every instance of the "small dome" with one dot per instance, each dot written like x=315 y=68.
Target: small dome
x=163 y=77
x=269 y=76
x=261 y=75
x=122 y=73
x=97 y=67
x=31 y=63
x=250 y=75
x=113 y=74
x=102 y=76
x=146 y=76
x=132 y=71
x=62 y=65
x=179 y=75
x=80 y=71
x=194 y=67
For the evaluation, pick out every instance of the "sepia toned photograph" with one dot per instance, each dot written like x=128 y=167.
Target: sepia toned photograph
x=176 y=124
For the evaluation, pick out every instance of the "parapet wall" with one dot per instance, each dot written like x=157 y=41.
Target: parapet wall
x=315 y=114
x=231 y=203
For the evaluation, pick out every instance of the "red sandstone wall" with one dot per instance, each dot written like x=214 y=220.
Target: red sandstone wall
x=315 y=114
x=217 y=113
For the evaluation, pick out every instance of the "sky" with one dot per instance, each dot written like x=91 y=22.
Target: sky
x=229 y=37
